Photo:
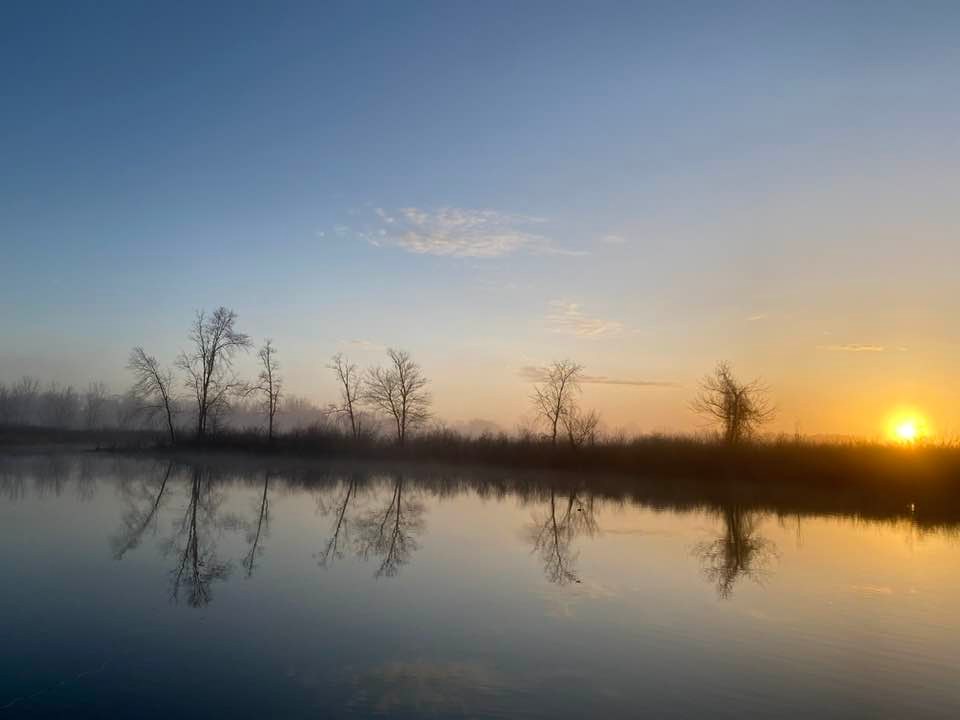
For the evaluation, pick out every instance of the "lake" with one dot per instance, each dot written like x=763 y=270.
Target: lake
x=142 y=587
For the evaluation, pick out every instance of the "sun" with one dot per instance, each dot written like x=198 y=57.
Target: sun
x=907 y=431
x=908 y=428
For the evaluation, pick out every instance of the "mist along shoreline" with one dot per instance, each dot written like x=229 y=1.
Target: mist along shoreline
x=921 y=483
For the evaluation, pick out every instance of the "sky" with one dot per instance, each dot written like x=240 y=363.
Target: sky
x=645 y=188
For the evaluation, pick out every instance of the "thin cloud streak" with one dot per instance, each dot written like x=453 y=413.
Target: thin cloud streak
x=860 y=348
x=459 y=232
x=535 y=373
x=567 y=318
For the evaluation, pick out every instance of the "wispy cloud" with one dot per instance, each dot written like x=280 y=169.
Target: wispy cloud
x=568 y=318
x=859 y=348
x=458 y=232
x=613 y=239
x=758 y=317
x=537 y=373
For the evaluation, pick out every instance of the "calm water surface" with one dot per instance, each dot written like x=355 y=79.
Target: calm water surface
x=140 y=588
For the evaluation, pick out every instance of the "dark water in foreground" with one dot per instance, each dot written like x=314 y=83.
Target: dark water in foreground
x=136 y=588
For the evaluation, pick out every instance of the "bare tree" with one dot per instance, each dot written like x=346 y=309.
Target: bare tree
x=270 y=383
x=555 y=396
x=152 y=387
x=23 y=400
x=301 y=412
x=351 y=392
x=127 y=409
x=399 y=391
x=60 y=406
x=581 y=426
x=209 y=366
x=738 y=408
x=95 y=405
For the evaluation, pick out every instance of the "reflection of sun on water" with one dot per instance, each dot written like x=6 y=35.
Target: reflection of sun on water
x=908 y=428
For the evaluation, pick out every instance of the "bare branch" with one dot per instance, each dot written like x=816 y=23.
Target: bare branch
x=351 y=392
x=738 y=408
x=152 y=387
x=269 y=383
x=399 y=391
x=209 y=366
x=555 y=396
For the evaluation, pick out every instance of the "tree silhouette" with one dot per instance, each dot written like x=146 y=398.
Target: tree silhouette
x=209 y=365
x=23 y=400
x=95 y=405
x=738 y=408
x=60 y=406
x=580 y=426
x=270 y=383
x=351 y=392
x=152 y=387
x=399 y=391
x=554 y=398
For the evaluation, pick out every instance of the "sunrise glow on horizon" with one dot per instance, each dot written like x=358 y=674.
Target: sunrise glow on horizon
x=908 y=427
x=466 y=186
x=539 y=359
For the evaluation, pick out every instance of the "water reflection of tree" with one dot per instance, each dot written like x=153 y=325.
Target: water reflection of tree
x=194 y=546
x=256 y=531
x=552 y=532
x=143 y=501
x=13 y=484
x=739 y=551
x=340 y=512
x=86 y=479
x=389 y=531
x=54 y=475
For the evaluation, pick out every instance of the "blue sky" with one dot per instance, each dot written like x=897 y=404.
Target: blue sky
x=645 y=187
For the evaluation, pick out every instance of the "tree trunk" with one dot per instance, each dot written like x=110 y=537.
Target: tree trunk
x=173 y=437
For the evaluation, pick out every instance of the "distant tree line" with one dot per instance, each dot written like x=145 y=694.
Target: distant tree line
x=27 y=402
x=200 y=393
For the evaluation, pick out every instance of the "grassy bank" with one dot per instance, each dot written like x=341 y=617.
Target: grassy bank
x=29 y=438
x=786 y=461
x=781 y=461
